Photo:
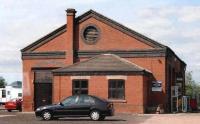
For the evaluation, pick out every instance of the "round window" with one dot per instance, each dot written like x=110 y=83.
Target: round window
x=90 y=34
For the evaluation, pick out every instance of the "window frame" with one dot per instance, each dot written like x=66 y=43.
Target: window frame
x=80 y=88
x=116 y=89
x=4 y=93
x=19 y=94
x=8 y=92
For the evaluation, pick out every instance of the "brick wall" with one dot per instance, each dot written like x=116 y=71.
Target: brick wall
x=135 y=88
x=110 y=38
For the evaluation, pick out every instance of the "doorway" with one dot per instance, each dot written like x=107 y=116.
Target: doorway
x=42 y=88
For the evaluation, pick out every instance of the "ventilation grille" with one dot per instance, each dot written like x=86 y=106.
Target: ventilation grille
x=91 y=34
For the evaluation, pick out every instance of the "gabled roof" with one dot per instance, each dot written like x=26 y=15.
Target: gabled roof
x=118 y=26
x=104 y=63
x=100 y=17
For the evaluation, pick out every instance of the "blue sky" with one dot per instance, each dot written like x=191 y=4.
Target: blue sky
x=171 y=22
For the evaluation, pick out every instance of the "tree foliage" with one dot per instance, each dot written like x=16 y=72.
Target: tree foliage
x=2 y=82
x=192 y=88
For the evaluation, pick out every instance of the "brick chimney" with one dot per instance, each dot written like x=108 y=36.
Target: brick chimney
x=70 y=35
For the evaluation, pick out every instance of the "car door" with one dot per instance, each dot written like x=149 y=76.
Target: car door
x=67 y=106
x=83 y=105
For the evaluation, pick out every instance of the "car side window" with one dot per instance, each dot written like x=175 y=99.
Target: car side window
x=92 y=100
x=84 y=100
x=70 y=100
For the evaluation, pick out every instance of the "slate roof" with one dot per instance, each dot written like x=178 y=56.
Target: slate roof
x=104 y=63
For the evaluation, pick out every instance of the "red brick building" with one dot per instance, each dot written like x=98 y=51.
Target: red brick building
x=92 y=54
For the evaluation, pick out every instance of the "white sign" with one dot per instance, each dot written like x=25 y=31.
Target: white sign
x=157 y=86
x=179 y=79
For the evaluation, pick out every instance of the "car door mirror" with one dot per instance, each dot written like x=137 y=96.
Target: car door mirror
x=61 y=104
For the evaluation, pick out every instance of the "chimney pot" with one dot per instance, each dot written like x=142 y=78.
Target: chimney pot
x=71 y=11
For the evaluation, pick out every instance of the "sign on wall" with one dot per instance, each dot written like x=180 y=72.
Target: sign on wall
x=156 y=85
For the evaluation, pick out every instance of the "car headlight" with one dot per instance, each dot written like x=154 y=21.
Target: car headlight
x=38 y=109
x=41 y=108
x=44 y=107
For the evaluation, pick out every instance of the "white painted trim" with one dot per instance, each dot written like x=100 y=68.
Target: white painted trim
x=117 y=77
x=80 y=77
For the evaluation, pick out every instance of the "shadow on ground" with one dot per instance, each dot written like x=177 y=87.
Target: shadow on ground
x=77 y=119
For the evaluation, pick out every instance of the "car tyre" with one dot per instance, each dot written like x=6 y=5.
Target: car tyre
x=9 y=110
x=95 y=115
x=47 y=115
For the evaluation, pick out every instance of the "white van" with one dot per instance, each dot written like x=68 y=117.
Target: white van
x=11 y=91
x=2 y=96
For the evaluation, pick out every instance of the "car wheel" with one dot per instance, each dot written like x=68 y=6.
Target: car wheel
x=46 y=115
x=95 y=115
x=102 y=117
x=9 y=110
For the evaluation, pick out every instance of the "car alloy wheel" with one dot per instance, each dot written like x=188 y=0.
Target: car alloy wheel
x=46 y=115
x=95 y=115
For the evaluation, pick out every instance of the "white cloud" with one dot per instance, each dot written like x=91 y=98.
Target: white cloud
x=167 y=21
x=194 y=33
x=189 y=14
x=183 y=13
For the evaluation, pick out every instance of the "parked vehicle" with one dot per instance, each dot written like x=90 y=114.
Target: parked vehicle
x=77 y=106
x=14 y=104
x=193 y=104
x=11 y=91
x=2 y=96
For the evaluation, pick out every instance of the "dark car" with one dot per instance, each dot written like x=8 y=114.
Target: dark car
x=14 y=104
x=77 y=106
